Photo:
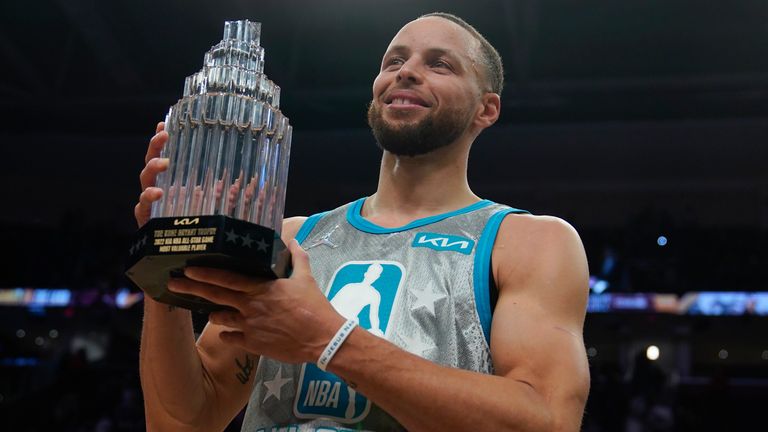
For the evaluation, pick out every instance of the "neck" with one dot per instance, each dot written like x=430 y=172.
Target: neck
x=411 y=188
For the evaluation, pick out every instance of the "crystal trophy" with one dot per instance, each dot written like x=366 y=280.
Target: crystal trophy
x=224 y=189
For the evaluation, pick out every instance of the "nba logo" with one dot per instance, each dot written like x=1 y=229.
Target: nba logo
x=366 y=291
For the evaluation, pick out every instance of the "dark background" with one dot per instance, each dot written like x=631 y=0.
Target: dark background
x=630 y=119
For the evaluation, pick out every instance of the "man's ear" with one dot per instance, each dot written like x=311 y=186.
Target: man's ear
x=489 y=110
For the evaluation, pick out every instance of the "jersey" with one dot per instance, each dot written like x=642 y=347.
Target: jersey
x=423 y=286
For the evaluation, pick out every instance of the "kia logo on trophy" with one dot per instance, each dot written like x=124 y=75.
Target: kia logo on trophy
x=186 y=221
x=224 y=189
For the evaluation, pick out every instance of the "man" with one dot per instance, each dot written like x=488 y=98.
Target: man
x=435 y=253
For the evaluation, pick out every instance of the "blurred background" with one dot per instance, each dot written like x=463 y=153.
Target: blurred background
x=642 y=122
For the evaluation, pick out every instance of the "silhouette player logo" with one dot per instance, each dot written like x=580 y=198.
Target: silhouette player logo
x=365 y=291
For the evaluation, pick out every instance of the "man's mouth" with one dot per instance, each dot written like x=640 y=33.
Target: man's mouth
x=404 y=100
x=401 y=101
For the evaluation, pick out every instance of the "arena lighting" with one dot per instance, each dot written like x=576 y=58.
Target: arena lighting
x=723 y=354
x=652 y=352
x=600 y=286
x=661 y=241
x=711 y=303
x=592 y=352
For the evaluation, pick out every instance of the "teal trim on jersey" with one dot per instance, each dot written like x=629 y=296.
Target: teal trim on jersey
x=481 y=278
x=308 y=226
x=357 y=221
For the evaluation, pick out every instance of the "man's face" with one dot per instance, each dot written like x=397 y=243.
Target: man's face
x=427 y=91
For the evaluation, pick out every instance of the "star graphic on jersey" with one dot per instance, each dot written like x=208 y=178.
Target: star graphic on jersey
x=275 y=385
x=261 y=244
x=247 y=240
x=426 y=298
x=231 y=236
x=415 y=345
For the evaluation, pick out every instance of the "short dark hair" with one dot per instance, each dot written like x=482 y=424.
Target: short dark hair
x=490 y=58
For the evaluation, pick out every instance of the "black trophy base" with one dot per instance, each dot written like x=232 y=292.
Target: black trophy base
x=165 y=246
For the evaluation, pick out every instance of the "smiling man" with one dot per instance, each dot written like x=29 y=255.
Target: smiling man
x=467 y=314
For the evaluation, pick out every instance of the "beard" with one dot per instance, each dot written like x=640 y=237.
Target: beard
x=434 y=131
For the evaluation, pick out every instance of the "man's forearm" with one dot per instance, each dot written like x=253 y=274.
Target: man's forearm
x=172 y=376
x=424 y=396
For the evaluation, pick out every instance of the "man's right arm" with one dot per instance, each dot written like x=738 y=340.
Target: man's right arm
x=188 y=385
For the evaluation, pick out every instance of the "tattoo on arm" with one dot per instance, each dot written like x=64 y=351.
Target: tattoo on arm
x=245 y=369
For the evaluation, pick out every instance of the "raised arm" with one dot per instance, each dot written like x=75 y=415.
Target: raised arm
x=188 y=385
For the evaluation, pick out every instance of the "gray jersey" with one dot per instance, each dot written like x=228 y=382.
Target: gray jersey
x=423 y=287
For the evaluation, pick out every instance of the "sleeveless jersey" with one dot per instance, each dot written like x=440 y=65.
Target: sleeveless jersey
x=424 y=287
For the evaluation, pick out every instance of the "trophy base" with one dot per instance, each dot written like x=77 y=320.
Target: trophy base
x=163 y=247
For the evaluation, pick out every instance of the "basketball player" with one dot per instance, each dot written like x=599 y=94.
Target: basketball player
x=478 y=308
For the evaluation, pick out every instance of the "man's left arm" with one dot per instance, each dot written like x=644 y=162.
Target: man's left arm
x=542 y=376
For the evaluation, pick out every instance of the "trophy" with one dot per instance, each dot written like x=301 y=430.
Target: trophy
x=224 y=189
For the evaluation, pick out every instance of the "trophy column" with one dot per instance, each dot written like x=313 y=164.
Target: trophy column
x=224 y=189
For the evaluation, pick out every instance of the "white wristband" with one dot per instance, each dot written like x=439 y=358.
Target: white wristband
x=335 y=344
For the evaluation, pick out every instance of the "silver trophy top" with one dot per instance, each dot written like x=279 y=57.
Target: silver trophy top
x=242 y=30
x=235 y=65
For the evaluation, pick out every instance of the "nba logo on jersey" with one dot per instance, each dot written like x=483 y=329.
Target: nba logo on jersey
x=368 y=292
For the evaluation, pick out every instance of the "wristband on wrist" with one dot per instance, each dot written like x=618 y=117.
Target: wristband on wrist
x=335 y=343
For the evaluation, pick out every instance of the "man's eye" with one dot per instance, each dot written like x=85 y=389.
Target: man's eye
x=395 y=61
x=441 y=64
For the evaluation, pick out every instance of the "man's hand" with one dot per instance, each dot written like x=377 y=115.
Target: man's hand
x=289 y=320
x=154 y=166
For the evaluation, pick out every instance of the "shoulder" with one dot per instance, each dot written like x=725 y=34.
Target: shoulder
x=291 y=226
x=542 y=257
x=541 y=233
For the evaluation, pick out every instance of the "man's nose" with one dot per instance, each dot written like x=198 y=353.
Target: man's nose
x=410 y=71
